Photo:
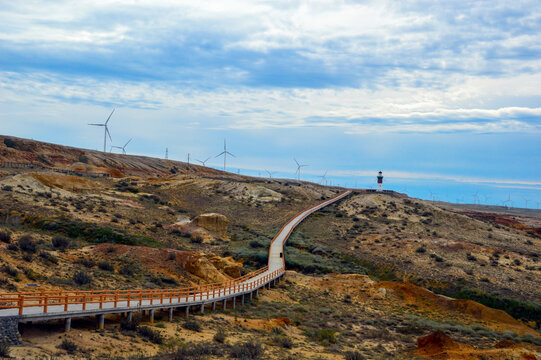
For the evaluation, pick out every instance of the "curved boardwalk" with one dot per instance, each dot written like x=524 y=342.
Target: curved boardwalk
x=50 y=305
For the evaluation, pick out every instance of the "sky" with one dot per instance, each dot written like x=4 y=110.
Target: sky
x=443 y=96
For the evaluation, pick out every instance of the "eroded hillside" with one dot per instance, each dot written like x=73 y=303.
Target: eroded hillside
x=369 y=261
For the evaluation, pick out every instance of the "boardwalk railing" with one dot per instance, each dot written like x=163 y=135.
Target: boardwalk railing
x=58 y=301
x=128 y=298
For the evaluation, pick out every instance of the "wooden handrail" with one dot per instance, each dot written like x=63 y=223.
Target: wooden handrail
x=46 y=299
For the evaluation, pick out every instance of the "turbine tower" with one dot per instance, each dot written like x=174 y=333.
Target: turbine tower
x=123 y=148
x=323 y=178
x=299 y=166
x=106 y=131
x=203 y=162
x=225 y=153
x=270 y=173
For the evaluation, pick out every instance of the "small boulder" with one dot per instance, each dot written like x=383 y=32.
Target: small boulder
x=213 y=222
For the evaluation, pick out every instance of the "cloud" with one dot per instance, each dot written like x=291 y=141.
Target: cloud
x=363 y=67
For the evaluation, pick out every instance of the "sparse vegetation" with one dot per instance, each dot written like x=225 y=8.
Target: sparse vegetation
x=251 y=349
x=27 y=244
x=192 y=325
x=60 y=242
x=5 y=236
x=81 y=277
x=152 y=335
x=68 y=345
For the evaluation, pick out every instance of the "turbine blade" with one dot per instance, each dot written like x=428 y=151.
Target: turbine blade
x=109 y=116
x=128 y=142
x=220 y=154
x=108 y=134
x=97 y=124
x=230 y=154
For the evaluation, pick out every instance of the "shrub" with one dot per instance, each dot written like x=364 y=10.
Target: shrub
x=129 y=269
x=47 y=256
x=196 y=239
x=7 y=188
x=27 y=244
x=133 y=324
x=256 y=244
x=105 y=265
x=421 y=250
x=60 y=242
x=197 y=351
x=5 y=349
x=88 y=263
x=251 y=349
x=220 y=336
x=68 y=345
x=283 y=341
x=470 y=257
x=81 y=277
x=10 y=270
x=152 y=335
x=192 y=325
x=353 y=355
x=5 y=236
x=13 y=247
x=326 y=335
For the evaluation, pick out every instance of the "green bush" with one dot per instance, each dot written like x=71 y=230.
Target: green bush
x=197 y=351
x=192 y=325
x=91 y=233
x=68 y=345
x=105 y=265
x=60 y=242
x=353 y=355
x=220 y=336
x=251 y=349
x=326 y=335
x=11 y=271
x=81 y=277
x=27 y=244
x=150 y=334
x=5 y=236
x=283 y=341
x=88 y=263
x=47 y=256
x=522 y=310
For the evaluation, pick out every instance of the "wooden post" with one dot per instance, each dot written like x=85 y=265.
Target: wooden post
x=170 y=314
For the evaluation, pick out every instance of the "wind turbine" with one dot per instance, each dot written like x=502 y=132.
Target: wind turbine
x=106 y=131
x=203 y=162
x=508 y=200
x=225 y=153
x=476 y=198
x=123 y=148
x=299 y=166
x=526 y=201
x=323 y=178
x=270 y=173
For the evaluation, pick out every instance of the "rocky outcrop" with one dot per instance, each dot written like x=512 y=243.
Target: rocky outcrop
x=227 y=265
x=202 y=267
x=215 y=223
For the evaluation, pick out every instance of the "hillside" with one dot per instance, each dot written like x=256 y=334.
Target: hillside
x=370 y=274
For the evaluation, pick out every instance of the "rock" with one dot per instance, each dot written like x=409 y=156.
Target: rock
x=228 y=265
x=215 y=223
x=263 y=194
x=202 y=267
x=436 y=343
